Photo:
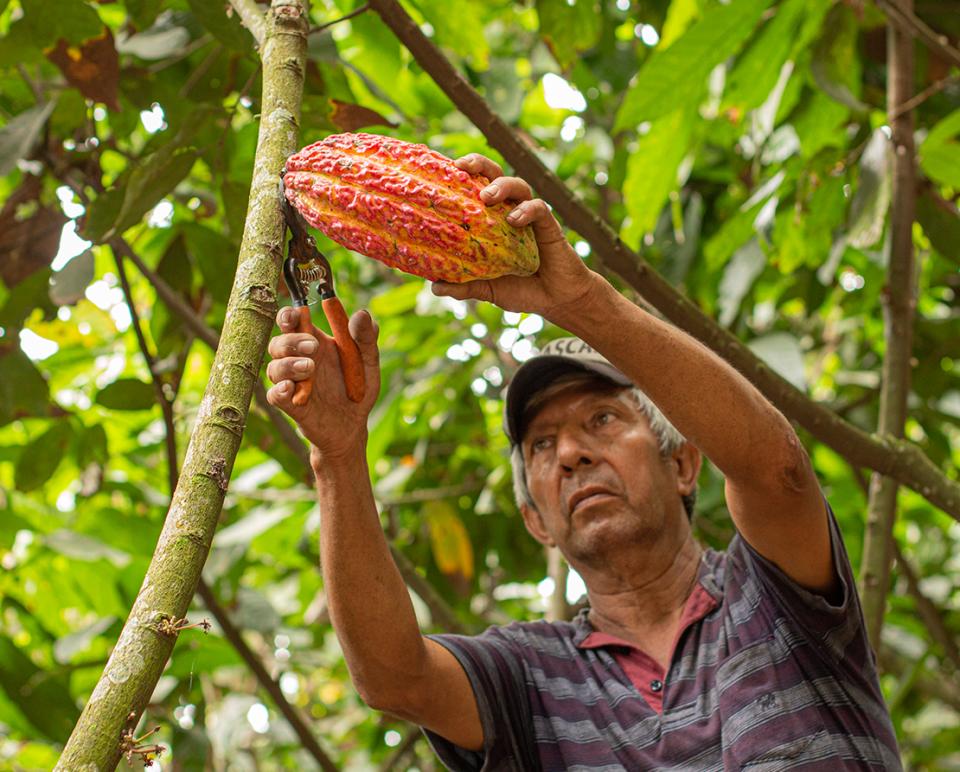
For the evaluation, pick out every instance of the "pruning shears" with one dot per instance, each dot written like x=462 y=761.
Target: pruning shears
x=303 y=265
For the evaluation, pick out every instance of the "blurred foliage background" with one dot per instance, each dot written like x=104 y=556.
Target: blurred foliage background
x=742 y=147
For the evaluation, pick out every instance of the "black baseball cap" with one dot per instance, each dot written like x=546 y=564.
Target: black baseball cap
x=558 y=357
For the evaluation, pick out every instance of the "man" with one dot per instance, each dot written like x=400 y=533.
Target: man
x=685 y=659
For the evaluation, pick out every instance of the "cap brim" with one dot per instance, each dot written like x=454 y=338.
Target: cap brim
x=537 y=374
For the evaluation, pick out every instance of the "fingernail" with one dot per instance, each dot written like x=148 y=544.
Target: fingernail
x=283 y=387
x=515 y=214
x=302 y=365
x=490 y=191
x=307 y=347
x=285 y=316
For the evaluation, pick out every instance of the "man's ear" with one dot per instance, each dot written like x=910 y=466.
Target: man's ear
x=534 y=523
x=687 y=459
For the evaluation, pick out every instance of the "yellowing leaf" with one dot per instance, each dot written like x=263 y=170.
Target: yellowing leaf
x=449 y=540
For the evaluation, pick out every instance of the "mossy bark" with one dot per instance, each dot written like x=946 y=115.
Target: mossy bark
x=147 y=639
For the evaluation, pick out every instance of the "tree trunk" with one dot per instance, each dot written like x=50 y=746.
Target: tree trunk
x=899 y=302
x=137 y=661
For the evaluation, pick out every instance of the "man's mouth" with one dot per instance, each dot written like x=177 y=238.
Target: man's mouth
x=587 y=496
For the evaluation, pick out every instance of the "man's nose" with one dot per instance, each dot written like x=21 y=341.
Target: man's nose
x=574 y=449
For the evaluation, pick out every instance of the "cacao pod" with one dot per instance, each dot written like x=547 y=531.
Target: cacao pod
x=407 y=206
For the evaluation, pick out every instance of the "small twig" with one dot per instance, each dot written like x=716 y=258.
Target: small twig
x=354 y=12
x=173 y=627
x=34 y=86
x=131 y=745
x=200 y=71
x=934 y=88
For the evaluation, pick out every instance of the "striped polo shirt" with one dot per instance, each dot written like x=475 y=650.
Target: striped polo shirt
x=764 y=675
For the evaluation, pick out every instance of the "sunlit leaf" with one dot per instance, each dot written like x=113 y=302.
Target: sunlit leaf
x=127 y=394
x=940 y=151
x=19 y=135
x=41 y=457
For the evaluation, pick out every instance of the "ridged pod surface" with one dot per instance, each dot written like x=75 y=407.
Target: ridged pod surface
x=408 y=207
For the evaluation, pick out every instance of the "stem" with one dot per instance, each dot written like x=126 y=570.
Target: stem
x=141 y=653
x=897 y=458
x=354 y=12
x=899 y=304
x=557 y=608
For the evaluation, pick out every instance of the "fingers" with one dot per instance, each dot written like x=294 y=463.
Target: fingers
x=506 y=189
x=537 y=214
x=474 y=163
x=292 y=344
x=290 y=369
x=469 y=290
x=281 y=394
x=365 y=331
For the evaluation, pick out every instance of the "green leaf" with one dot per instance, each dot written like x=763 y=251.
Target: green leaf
x=836 y=64
x=680 y=15
x=940 y=152
x=868 y=210
x=127 y=394
x=67 y=286
x=40 y=458
x=457 y=30
x=143 y=12
x=23 y=391
x=215 y=256
x=569 y=28
x=652 y=171
x=18 y=137
x=756 y=72
x=782 y=352
x=43 y=697
x=67 y=647
x=739 y=275
x=80 y=546
x=941 y=224
x=227 y=29
x=151 y=180
x=50 y=20
x=159 y=42
x=678 y=76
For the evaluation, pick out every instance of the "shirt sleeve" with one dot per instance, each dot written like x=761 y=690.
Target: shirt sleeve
x=836 y=621
x=496 y=673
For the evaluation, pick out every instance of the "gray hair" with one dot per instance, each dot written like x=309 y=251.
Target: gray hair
x=668 y=438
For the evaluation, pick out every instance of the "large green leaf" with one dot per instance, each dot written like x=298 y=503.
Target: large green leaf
x=19 y=136
x=41 y=457
x=569 y=28
x=225 y=28
x=940 y=151
x=652 y=171
x=127 y=394
x=50 y=20
x=43 y=697
x=23 y=390
x=677 y=76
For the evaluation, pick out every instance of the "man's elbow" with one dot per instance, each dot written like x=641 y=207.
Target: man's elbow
x=794 y=473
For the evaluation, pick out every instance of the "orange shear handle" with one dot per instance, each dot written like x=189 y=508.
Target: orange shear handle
x=347 y=351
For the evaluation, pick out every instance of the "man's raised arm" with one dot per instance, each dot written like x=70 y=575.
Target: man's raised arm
x=772 y=491
x=394 y=668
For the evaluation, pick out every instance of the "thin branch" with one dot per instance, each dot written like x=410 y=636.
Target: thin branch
x=942 y=688
x=915 y=101
x=166 y=405
x=443 y=615
x=899 y=306
x=270 y=685
x=896 y=458
x=252 y=18
x=905 y=20
x=354 y=12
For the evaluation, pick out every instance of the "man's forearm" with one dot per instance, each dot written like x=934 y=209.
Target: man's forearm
x=709 y=402
x=368 y=600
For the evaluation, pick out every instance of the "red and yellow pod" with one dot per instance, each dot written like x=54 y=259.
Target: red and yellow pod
x=407 y=206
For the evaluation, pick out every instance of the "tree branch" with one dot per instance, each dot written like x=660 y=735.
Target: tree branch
x=138 y=659
x=903 y=18
x=896 y=458
x=899 y=305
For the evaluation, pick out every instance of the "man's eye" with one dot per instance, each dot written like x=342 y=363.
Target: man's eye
x=604 y=417
x=541 y=444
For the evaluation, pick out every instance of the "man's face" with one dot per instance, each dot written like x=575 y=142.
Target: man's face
x=596 y=474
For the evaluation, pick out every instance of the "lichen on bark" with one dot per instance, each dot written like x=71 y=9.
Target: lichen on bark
x=138 y=659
